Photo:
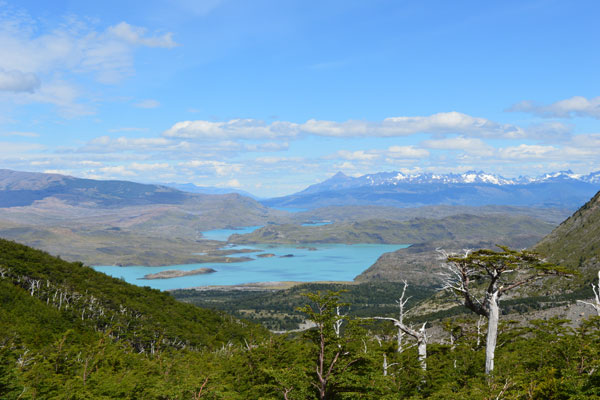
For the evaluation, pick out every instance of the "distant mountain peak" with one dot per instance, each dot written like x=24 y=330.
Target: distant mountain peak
x=339 y=175
x=474 y=187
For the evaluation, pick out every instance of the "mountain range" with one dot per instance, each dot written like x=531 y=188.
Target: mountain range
x=128 y=223
x=562 y=189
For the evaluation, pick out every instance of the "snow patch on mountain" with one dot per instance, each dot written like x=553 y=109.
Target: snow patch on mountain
x=470 y=177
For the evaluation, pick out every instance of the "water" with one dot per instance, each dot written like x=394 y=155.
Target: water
x=330 y=262
x=223 y=234
x=290 y=209
x=317 y=223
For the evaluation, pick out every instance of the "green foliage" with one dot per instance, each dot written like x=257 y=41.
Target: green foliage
x=576 y=242
x=277 y=309
x=46 y=352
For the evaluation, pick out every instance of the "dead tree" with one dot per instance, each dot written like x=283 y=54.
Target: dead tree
x=420 y=335
x=596 y=303
x=337 y=324
x=482 y=277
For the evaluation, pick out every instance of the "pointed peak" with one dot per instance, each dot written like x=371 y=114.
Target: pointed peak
x=340 y=174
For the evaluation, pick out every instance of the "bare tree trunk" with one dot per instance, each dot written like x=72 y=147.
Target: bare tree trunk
x=492 y=333
x=385 y=365
x=400 y=338
x=422 y=347
x=596 y=303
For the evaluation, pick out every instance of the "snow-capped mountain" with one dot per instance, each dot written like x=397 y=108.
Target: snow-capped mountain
x=563 y=189
x=342 y=181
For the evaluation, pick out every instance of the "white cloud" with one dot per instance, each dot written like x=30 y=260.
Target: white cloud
x=107 y=144
x=235 y=128
x=575 y=106
x=37 y=58
x=346 y=165
x=127 y=129
x=359 y=155
x=232 y=183
x=136 y=35
x=526 y=151
x=61 y=94
x=451 y=122
x=269 y=146
x=21 y=134
x=17 y=81
x=149 y=167
x=219 y=167
x=591 y=140
x=117 y=170
x=470 y=145
x=19 y=149
x=406 y=152
x=149 y=103
x=549 y=131
x=271 y=160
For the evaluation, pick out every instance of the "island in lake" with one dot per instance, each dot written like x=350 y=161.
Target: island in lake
x=176 y=273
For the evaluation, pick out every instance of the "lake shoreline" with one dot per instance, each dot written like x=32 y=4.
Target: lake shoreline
x=260 y=286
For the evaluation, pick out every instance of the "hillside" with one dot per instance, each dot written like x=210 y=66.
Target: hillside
x=118 y=222
x=69 y=332
x=576 y=241
x=416 y=230
x=24 y=188
x=366 y=212
x=420 y=264
x=82 y=298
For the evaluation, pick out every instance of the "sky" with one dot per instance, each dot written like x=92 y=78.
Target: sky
x=270 y=96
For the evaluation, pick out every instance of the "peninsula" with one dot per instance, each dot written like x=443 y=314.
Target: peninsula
x=176 y=273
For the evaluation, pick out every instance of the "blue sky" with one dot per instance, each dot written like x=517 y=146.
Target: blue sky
x=272 y=96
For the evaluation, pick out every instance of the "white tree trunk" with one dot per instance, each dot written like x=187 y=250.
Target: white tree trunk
x=422 y=346
x=422 y=349
x=399 y=347
x=385 y=365
x=492 y=333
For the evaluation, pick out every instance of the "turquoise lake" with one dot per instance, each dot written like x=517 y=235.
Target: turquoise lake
x=329 y=262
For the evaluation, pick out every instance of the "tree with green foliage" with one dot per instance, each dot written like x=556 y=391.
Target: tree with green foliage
x=334 y=356
x=482 y=277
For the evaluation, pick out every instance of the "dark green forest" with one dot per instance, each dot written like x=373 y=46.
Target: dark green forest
x=71 y=333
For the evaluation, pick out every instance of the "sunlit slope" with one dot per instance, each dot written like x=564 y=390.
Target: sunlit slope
x=417 y=230
x=576 y=241
x=43 y=296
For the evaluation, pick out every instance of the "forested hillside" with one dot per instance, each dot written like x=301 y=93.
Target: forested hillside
x=71 y=333
x=576 y=241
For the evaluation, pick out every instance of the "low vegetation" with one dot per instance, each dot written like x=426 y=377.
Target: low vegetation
x=417 y=230
x=70 y=332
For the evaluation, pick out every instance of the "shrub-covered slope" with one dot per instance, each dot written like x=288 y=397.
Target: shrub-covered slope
x=576 y=241
x=77 y=297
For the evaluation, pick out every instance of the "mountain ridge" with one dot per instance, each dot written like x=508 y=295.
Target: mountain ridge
x=562 y=189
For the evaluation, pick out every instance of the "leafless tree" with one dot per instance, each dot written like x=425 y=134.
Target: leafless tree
x=596 y=303
x=420 y=335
